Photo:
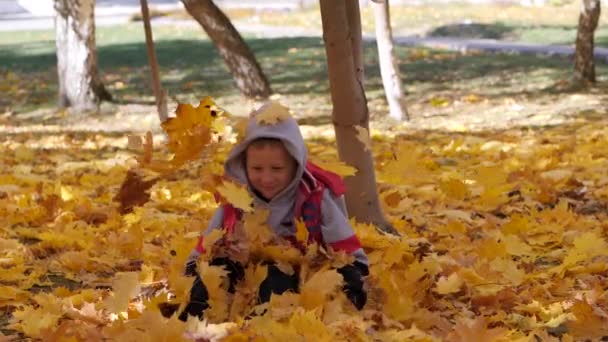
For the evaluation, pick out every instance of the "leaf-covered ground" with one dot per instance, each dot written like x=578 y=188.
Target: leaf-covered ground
x=504 y=233
x=503 y=238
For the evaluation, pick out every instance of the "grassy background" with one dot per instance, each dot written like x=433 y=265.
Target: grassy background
x=296 y=66
x=551 y=24
x=191 y=68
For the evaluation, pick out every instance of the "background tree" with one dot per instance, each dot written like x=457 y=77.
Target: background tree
x=342 y=35
x=79 y=83
x=389 y=67
x=584 y=63
x=245 y=69
x=159 y=92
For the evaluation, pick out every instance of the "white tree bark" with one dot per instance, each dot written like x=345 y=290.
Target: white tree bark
x=584 y=61
x=389 y=68
x=79 y=84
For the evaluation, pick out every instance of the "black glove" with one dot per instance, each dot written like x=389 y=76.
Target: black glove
x=276 y=282
x=199 y=295
x=198 y=300
x=191 y=269
x=353 y=283
x=235 y=270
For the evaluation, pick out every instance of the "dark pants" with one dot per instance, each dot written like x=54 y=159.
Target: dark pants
x=276 y=282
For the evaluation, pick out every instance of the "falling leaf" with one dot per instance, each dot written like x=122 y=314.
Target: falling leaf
x=338 y=167
x=301 y=231
x=236 y=195
x=364 y=138
x=125 y=286
x=190 y=131
x=134 y=191
x=272 y=113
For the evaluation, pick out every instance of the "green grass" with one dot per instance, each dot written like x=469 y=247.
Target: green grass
x=542 y=25
x=190 y=68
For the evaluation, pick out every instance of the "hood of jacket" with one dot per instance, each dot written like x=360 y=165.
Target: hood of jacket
x=285 y=129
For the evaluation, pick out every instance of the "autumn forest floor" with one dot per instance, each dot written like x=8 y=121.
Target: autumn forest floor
x=498 y=183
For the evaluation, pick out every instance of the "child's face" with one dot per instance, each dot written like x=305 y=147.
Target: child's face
x=270 y=168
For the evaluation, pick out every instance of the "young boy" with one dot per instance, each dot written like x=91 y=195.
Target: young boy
x=272 y=161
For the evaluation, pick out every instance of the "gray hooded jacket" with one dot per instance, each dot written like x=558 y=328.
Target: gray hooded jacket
x=335 y=225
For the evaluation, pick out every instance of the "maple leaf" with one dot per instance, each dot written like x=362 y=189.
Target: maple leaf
x=272 y=113
x=508 y=269
x=87 y=313
x=411 y=334
x=451 y=284
x=180 y=284
x=10 y=295
x=236 y=195
x=314 y=292
x=308 y=324
x=190 y=130
x=155 y=328
x=215 y=278
x=338 y=167
x=33 y=322
x=364 y=138
x=588 y=323
x=475 y=330
x=255 y=227
x=454 y=188
x=247 y=290
x=134 y=191
x=301 y=231
x=212 y=239
x=126 y=286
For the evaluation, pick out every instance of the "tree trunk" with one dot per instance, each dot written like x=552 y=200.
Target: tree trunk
x=584 y=64
x=355 y=32
x=159 y=93
x=79 y=83
x=248 y=75
x=350 y=110
x=389 y=68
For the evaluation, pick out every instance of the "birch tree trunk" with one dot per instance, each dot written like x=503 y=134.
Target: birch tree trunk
x=345 y=70
x=79 y=83
x=249 y=77
x=584 y=63
x=389 y=68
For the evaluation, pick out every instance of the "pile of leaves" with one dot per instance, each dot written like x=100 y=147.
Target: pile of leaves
x=503 y=238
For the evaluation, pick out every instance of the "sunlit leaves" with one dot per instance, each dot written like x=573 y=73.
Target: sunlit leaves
x=125 y=286
x=236 y=195
x=503 y=238
x=191 y=129
x=272 y=113
x=364 y=137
